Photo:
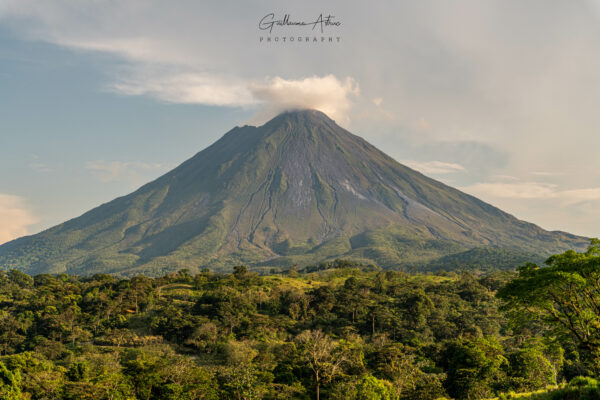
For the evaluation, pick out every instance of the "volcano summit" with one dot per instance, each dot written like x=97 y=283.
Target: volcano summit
x=297 y=190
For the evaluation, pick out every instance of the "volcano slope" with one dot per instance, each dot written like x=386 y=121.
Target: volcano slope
x=297 y=190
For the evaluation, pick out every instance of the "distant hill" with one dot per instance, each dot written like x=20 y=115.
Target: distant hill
x=297 y=190
x=484 y=258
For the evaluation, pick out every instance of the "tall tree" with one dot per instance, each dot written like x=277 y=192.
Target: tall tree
x=324 y=356
x=565 y=295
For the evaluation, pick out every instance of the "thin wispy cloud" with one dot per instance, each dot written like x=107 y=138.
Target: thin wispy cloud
x=40 y=167
x=185 y=88
x=131 y=171
x=550 y=205
x=434 y=167
x=548 y=173
x=533 y=190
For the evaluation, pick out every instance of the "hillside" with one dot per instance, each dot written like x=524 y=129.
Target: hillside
x=297 y=190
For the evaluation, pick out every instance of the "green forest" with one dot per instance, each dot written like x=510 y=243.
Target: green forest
x=336 y=330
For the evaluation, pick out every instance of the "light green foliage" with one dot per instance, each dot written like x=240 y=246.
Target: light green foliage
x=10 y=384
x=371 y=388
x=366 y=388
x=580 y=388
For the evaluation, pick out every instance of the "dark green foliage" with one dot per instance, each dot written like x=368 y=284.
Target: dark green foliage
x=342 y=331
x=483 y=259
x=474 y=367
x=530 y=368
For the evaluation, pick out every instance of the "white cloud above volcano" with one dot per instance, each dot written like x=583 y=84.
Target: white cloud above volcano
x=327 y=94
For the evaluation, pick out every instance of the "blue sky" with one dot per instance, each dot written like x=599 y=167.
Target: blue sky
x=497 y=98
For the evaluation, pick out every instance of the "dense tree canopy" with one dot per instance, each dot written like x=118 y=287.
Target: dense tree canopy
x=342 y=331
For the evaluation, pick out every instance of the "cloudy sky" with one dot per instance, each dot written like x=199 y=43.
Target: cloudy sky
x=497 y=98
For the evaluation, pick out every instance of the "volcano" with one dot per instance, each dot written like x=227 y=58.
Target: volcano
x=297 y=190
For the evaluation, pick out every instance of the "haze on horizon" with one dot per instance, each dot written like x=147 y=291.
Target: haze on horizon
x=498 y=99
